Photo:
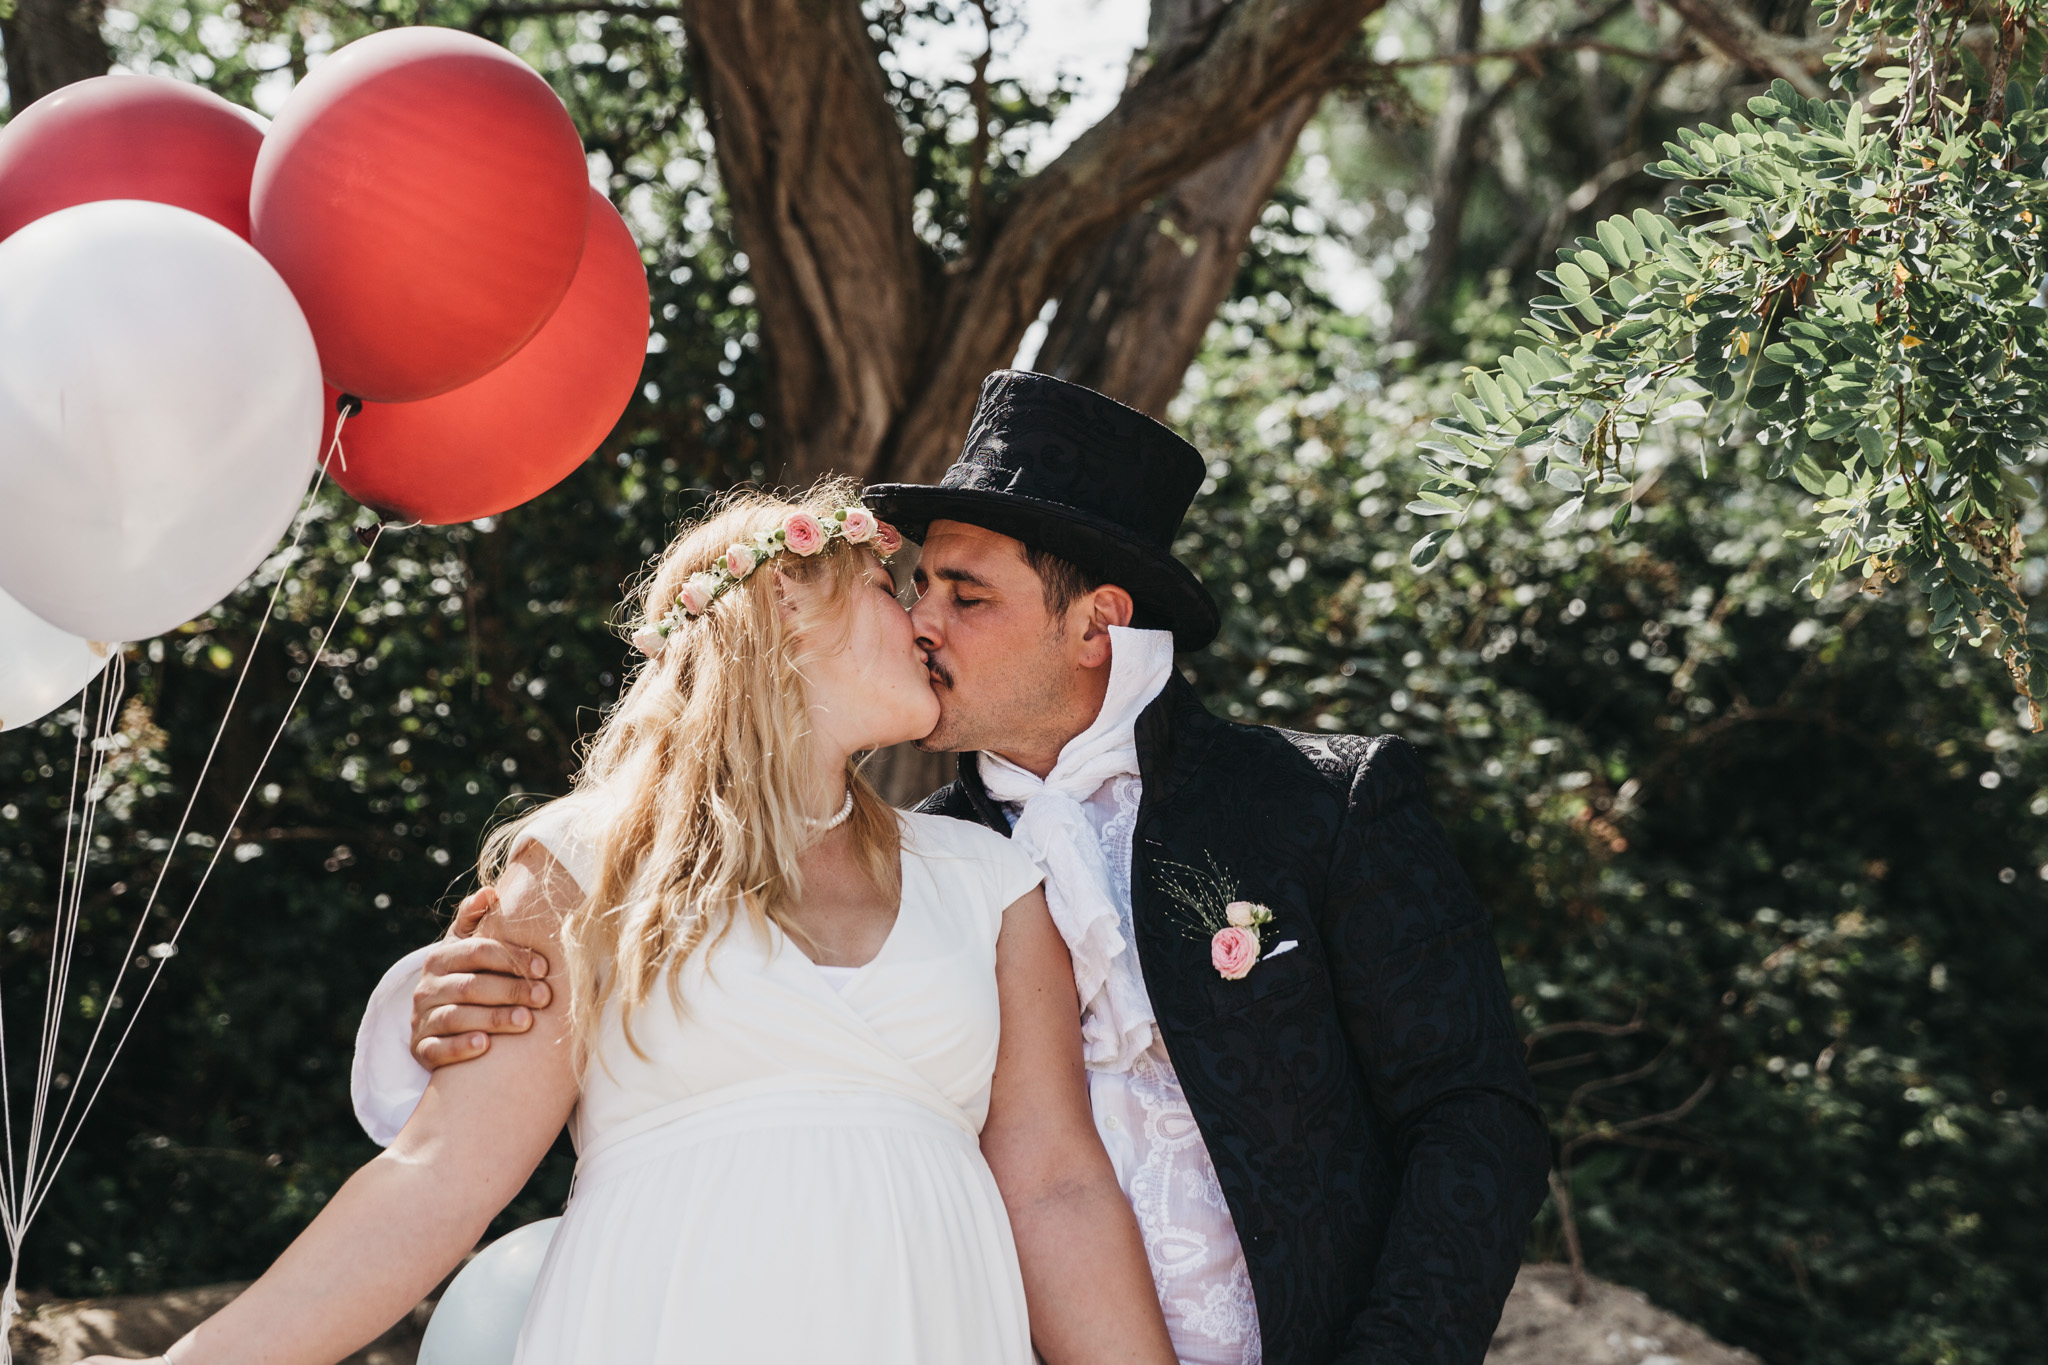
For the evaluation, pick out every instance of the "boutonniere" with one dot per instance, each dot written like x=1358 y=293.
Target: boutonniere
x=1234 y=928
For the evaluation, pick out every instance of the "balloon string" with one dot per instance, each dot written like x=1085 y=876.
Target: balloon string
x=345 y=407
x=285 y=559
x=358 y=572
x=100 y=724
x=71 y=896
x=50 y=998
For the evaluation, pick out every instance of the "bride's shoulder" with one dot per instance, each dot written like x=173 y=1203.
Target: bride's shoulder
x=957 y=848
x=945 y=834
x=561 y=829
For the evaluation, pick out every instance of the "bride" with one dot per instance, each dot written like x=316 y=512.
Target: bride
x=822 y=1058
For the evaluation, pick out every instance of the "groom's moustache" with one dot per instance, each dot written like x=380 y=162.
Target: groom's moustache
x=940 y=676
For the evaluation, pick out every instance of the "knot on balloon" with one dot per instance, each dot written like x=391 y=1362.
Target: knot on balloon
x=347 y=404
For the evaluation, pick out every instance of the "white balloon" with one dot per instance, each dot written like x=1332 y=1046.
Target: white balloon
x=41 y=666
x=160 y=410
x=477 y=1320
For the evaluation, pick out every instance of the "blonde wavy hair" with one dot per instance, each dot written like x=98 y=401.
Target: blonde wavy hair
x=693 y=789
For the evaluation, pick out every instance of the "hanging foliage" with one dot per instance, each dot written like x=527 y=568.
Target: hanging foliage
x=1856 y=285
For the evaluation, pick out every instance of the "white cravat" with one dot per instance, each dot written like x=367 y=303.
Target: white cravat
x=1117 y=1021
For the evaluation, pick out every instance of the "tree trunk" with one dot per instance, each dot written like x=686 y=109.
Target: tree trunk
x=811 y=157
x=49 y=44
x=1131 y=319
x=1459 y=124
x=876 y=351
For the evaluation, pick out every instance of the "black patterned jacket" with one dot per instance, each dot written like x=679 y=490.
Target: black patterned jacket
x=1363 y=1096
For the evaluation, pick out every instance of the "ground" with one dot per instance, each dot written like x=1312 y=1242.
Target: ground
x=1614 y=1326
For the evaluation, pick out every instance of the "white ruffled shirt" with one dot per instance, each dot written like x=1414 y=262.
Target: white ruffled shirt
x=1078 y=824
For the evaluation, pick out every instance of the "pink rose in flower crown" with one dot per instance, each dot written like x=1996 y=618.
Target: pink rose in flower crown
x=739 y=560
x=1233 y=951
x=859 y=526
x=802 y=533
x=649 y=641
x=695 y=597
x=888 y=540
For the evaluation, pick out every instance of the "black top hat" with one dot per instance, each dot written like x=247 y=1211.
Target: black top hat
x=1068 y=471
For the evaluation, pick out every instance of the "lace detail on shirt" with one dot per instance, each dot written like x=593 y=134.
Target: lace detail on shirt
x=1198 y=1268
x=1117 y=832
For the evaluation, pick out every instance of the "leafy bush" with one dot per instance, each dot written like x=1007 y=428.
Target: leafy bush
x=1786 y=857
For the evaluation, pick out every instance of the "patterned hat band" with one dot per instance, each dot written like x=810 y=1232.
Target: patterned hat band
x=801 y=533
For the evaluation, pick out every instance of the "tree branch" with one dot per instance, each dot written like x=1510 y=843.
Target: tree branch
x=1132 y=316
x=977 y=152
x=811 y=157
x=543 y=9
x=1360 y=70
x=1194 y=103
x=50 y=44
x=1742 y=39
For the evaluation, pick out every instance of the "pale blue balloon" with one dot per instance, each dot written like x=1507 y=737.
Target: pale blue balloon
x=477 y=1320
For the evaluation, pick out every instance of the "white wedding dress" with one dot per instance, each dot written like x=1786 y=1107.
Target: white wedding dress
x=787 y=1170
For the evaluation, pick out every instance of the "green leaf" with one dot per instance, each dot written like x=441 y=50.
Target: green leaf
x=1429 y=509
x=1455 y=453
x=1564 y=513
x=1425 y=550
x=1470 y=412
x=1608 y=230
x=1810 y=475
x=1490 y=394
x=1571 y=277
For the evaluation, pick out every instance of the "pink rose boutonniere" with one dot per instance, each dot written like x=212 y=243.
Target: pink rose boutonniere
x=1233 y=951
x=803 y=534
x=1235 y=947
x=1234 y=928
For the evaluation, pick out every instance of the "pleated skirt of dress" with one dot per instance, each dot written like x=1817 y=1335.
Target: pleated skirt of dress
x=783 y=1229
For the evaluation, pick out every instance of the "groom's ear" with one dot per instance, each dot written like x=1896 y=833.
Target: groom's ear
x=1097 y=611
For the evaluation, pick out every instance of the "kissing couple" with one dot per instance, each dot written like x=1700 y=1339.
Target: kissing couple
x=1151 y=1038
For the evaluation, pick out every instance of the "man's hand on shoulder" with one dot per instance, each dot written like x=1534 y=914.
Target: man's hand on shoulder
x=472 y=987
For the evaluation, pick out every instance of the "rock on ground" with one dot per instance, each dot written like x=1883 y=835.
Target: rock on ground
x=1614 y=1326
x=61 y=1331
x=1541 y=1326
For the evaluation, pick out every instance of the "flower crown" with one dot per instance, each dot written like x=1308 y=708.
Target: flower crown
x=801 y=533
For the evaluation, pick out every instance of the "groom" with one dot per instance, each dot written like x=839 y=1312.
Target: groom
x=1300 y=1051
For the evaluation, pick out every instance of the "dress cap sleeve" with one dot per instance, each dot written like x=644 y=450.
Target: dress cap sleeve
x=557 y=827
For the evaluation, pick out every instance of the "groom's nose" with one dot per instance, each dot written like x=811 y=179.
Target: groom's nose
x=924 y=625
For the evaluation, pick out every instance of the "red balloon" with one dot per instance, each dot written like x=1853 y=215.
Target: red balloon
x=519 y=430
x=129 y=137
x=425 y=195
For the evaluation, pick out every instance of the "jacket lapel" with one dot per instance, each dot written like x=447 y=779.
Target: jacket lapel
x=985 y=809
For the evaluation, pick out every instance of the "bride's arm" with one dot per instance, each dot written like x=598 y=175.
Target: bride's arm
x=404 y=1220
x=1085 y=1279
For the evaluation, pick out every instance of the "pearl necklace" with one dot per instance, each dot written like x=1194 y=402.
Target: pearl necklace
x=827 y=826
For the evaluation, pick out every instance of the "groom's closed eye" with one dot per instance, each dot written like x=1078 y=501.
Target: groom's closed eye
x=964 y=582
